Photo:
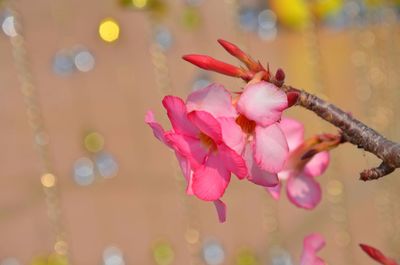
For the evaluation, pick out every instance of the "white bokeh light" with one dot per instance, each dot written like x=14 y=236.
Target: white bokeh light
x=113 y=256
x=84 y=61
x=8 y=26
x=84 y=171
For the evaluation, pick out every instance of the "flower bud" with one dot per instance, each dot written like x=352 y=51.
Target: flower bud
x=279 y=77
x=292 y=98
x=208 y=63
x=241 y=55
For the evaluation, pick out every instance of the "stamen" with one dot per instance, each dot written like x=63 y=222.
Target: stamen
x=207 y=141
x=248 y=126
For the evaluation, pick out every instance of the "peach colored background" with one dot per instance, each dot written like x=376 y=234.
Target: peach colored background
x=145 y=202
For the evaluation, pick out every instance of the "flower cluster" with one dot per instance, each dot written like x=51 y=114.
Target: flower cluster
x=216 y=132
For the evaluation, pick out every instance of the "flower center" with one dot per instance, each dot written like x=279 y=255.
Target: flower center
x=248 y=126
x=207 y=141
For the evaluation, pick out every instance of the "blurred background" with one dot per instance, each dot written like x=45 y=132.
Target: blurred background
x=83 y=180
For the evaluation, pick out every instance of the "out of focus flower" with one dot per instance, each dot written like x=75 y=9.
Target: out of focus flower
x=311 y=245
x=307 y=159
x=377 y=255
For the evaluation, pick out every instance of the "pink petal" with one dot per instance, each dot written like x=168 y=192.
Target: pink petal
x=284 y=174
x=189 y=147
x=311 y=245
x=274 y=191
x=232 y=134
x=221 y=210
x=256 y=174
x=177 y=114
x=270 y=148
x=214 y=99
x=263 y=103
x=313 y=242
x=317 y=165
x=232 y=161
x=294 y=132
x=187 y=172
x=158 y=130
x=207 y=124
x=211 y=179
x=303 y=191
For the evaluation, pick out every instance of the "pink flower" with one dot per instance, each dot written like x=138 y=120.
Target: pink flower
x=205 y=159
x=306 y=160
x=377 y=255
x=251 y=128
x=311 y=245
x=260 y=107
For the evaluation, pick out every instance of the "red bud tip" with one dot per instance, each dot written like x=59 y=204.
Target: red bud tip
x=208 y=63
x=377 y=255
x=232 y=48
x=292 y=98
x=280 y=75
x=240 y=55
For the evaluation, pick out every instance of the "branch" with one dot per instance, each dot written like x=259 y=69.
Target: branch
x=354 y=132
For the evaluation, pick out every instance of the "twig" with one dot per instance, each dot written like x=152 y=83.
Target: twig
x=354 y=132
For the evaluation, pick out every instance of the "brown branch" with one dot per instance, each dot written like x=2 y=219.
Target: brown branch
x=354 y=132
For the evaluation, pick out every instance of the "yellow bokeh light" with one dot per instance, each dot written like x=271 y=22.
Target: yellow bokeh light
x=292 y=13
x=192 y=236
x=163 y=253
x=139 y=3
x=335 y=188
x=246 y=257
x=61 y=247
x=48 y=180
x=94 y=142
x=109 y=30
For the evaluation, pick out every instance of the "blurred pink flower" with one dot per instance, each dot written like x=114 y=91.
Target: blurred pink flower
x=205 y=159
x=377 y=255
x=311 y=245
x=306 y=161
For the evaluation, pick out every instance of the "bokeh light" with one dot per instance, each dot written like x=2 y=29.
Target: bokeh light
x=84 y=171
x=106 y=165
x=192 y=236
x=163 y=37
x=63 y=63
x=213 y=253
x=201 y=81
x=61 y=247
x=109 y=30
x=8 y=25
x=84 y=60
x=113 y=256
x=94 y=142
x=9 y=261
x=335 y=187
x=48 y=180
x=53 y=259
x=139 y=3
x=163 y=254
x=246 y=257
x=248 y=19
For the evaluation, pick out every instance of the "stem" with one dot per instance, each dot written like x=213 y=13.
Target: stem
x=355 y=132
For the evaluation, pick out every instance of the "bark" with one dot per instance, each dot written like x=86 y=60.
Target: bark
x=355 y=132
